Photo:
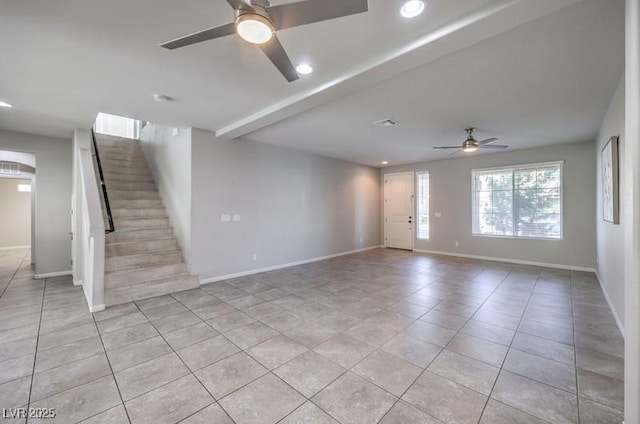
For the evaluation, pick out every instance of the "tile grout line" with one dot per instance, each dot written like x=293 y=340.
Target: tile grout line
x=511 y=344
x=575 y=352
x=180 y=358
x=441 y=350
x=35 y=354
x=104 y=349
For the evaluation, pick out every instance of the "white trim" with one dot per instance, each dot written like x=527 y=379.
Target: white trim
x=521 y=165
x=15 y=247
x=52 y=274
x=475 y=214
x=77 y=282
x=613 y=311
x=511 y=261
x=287 y=265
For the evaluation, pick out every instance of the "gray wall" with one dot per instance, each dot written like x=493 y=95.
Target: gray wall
x=610 y=237
x=293 y=206
x=450 y=191
x=15 y=214
x=169 y=158
x=53 y=197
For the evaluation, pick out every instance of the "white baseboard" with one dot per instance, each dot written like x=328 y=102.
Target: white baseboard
x=287 y=265
x=77 y=282
x=613 y=311
x=511 y=261
x=15 y=247
x=52 y=274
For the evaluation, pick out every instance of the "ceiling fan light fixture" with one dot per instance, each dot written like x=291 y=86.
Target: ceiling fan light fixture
x=254 y=28
x=469 y=147
x=412 y=8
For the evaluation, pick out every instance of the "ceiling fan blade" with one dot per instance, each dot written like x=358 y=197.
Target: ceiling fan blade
x=446 y=147
x=241 y=5
x=487 y=141
x=494 y=146
x=310 y=11
x=276 y=53
x=207 y=34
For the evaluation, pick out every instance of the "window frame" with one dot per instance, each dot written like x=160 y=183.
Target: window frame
x=475 y=216
x=417 y=205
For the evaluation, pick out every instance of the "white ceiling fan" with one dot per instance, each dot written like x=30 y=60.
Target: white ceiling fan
x=471 y=145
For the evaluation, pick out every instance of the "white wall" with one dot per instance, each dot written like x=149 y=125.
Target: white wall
x=169 y=158
x=609 y=237
x=631 y=201
x=15 y=214
x=293 y=206
x=53 y=193
x=450 y=194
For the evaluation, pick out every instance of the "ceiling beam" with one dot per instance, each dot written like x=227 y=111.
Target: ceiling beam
x=499 y=17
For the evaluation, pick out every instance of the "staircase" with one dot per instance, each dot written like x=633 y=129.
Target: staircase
x=143 y=258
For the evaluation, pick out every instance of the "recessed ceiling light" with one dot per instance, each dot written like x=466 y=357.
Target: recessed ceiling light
x=5 y=104
x=412 y=8
x=304 y=69
x=384 y=162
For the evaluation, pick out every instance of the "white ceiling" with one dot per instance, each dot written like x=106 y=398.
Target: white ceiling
x=531 y=72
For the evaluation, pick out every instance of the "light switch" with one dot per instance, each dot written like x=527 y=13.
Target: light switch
x=437 y=215
x=236 y=218
x=225 y=218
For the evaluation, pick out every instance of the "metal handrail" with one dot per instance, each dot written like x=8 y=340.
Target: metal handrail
x=111 y=228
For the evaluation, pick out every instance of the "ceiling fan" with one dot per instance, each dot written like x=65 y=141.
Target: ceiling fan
x=471 y=145
x=256 y=22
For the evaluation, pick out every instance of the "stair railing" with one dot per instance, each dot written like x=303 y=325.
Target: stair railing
x=105 y=195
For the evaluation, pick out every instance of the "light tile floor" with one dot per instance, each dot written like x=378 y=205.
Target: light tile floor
x=384 y=336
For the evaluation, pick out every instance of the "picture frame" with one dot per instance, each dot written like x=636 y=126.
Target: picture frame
x=610 y=181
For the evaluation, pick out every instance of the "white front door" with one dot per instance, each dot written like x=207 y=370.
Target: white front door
x=398 y=210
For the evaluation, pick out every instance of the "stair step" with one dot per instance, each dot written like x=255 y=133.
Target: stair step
x=141 y=223
x=149 y=289
x=119 y=164
x=126 y=213
x=132 y=194
x=135 y=203
x=123 y=157
x=118 y=169
x=139 y=235
x=131 y=185
x=135 y=247
x=114 y=140
x=133 y=276
x=116 y=263
x=128 y=178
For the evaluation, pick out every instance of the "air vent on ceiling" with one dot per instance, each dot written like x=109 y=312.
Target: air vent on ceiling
x=386 y=122
x=9 y=168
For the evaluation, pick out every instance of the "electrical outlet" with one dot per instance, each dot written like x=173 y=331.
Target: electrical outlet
x=236 y=218
x=255 y=256
x=457 y=243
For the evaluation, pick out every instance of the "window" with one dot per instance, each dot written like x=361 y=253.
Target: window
x=118 y=126
x=520 y=201
x=423 y=205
